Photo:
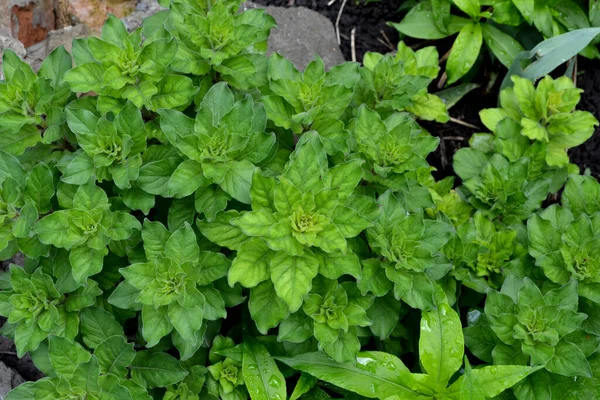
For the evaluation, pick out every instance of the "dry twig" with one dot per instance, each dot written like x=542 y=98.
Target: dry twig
x=457 y=138
x=442 y=148
x=353 y=43
x=442 y=80
x=463 y=123
x=388 y=42
x=337 y=21
x=445 y=56
x=385 y=44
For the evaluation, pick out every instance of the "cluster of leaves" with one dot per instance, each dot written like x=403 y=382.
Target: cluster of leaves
x=200 y=221
x=505 y=27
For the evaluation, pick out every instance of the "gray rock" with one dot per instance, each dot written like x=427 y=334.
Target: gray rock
x=61 y=37
x=144 y=9
x=300 y=34
x=9 y=379
x=8 y=42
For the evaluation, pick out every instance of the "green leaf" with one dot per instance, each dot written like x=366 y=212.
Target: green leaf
x=181 y=212
x=454 y=94
x=235 y=178
x=155 y=176
x=187 y=321
x=464 y=52
x=261 y=375
x=97 y=325
x=292 y=277
x=155 y=324
x=56 y=65
x=256 y=223
x=152 y=370
x=418 y=23
x=55 y=229
x=582 y=195
x=441 y=345
x=10 y=167
x=569 y=360
x=126 y=171
x=490 y=381
x=79 y=170
x=504 y=46
x=66 y=356
x=186 y=179
x=307 y=163
x=114 y=356
x=182 y=246
x=549 y=54
x=136 y=199
x=376 y=375
x=86 y=262
x=296 y=328
x=266 y=308
x=221 y=231
x=469 y=7
x=345 y=347
x=385 y=314
x=39 y=188
x=251 y=265
x=85 y=78
x=211 y=200
x=280 y=112
x=173 y=91
x=124 y=296
x=304 y=385
x=84 y=296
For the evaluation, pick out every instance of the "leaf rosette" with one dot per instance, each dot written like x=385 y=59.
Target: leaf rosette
x=175 y=286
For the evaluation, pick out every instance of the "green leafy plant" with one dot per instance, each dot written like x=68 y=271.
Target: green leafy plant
x=199 y=221
x=434 y=20
x=32 y=105
x=399 y=82
x=86 y=227
x=384 y=376
x=222 y=146
x=118 y=66
x=546 y=114
x=563 y=238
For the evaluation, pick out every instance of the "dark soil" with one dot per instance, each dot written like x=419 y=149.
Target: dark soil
x=373 y=34
x=588 y=79
x=24 y=366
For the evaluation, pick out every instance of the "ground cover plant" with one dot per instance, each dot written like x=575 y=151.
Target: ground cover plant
x=201 y=221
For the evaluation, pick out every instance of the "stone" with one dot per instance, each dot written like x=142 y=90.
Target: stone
x=8 y=42
x=300 y=34
x=31 y=20
x=93 y=13
x=9 y=379
x=144 y=9
x=61 y=37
